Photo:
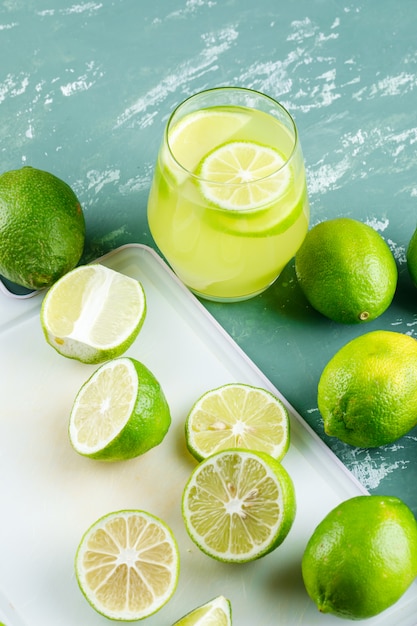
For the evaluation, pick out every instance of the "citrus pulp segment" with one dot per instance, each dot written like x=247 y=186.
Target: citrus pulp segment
x=93 y=313
x=238 y=505
x=243 y=175
x=216 y=612
x=127 y=565
x=119 y=413
x=237 y=416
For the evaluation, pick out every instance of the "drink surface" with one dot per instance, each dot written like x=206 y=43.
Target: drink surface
x=228 y=238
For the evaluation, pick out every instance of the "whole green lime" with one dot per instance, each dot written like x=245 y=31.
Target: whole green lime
x=367 y=393
x=346 y=271
x=42 y=227
x=412 y=257
x=362 y=557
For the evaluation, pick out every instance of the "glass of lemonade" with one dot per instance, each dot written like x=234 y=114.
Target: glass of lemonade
x=228 y=205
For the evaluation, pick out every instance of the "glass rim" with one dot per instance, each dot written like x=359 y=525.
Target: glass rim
x=247 y=90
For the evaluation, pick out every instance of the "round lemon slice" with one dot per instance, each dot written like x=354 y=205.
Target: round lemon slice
x=237 y=416
x=127 y=565
x=238 y=505
x=93 y=313
x=189 y=137
x=243 y=175
x=217 y=612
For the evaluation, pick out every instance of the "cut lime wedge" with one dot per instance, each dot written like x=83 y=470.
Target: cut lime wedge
x=217 y=612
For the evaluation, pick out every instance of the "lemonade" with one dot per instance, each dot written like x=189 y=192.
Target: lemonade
x=228 y=205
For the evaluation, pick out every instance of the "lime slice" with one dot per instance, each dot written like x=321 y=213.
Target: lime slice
x=127 y=565
x=238 y=505
x=119 y=413
x=212 y=126
x=217 y=612
x=237 y=416
x=93 y=313
x=243 y=175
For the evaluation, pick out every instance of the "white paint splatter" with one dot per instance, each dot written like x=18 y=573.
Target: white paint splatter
x=191 y=6
x=326 y=177
x=8 y=26
x=82 y=8
x=398 y=251
x=83 y=82
x=216 y=44
x=13 y=86
x=97 y=179
x=398 y=85
x=378 y=224
x=370 y=472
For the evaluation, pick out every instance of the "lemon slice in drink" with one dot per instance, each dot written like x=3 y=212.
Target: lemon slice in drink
x=127 y=565
x=237 y=416
x=119 y=413
x=189 y=136
x=243 y=175
x=238 y=505
x=217 y=612
x=93 y=313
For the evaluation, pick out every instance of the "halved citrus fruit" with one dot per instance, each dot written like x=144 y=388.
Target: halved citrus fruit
x=237 y=415
x=93 y=313
x=238 y=505
x=127 y=565
x=119 y=413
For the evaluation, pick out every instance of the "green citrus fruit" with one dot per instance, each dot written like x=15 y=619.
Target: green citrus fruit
x=127 y=565
x=237 y=416
x=119 y=413
x=238 y=505
x=362 y=557
x=93 y=313
x=217 y=612
x=367 y=393
x=346 y=271
x=412 y=257
x=42 y=228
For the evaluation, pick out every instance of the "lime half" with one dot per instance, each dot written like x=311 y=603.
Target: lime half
x=237 y=416
x=93 y=313
x=238 y=505
x=217 y=612
x=119 y=413
x=127 y=565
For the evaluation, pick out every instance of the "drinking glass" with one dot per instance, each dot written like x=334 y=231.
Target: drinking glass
x=228 y=205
